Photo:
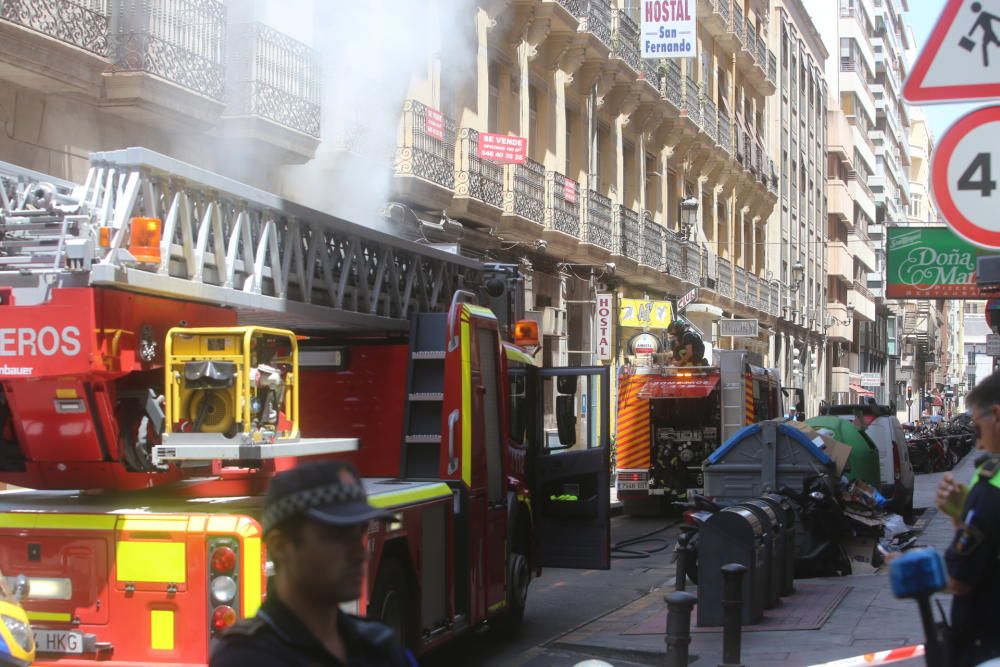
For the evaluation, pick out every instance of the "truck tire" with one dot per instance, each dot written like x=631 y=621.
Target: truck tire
x=507 y=624
x=391 y=601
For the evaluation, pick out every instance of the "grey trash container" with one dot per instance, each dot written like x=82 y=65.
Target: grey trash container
x=774 y=541
x=733 y=535
x=786 y=511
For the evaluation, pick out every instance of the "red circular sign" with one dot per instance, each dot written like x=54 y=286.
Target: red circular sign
x=964 y=177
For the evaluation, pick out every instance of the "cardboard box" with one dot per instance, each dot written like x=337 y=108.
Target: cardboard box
x=835 y=449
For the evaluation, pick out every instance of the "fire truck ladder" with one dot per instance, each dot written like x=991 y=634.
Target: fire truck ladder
x=273 y=261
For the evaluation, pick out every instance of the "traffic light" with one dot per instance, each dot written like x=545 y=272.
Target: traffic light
x=909 y=393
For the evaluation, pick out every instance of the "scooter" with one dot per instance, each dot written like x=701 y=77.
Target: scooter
x=17 y=642
x=695 y=513
x=823 y=522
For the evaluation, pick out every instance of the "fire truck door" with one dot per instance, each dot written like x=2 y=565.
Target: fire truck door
x=571 y=485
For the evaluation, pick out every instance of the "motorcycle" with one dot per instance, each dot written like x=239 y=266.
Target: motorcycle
x=695 y=513
x=824 y=525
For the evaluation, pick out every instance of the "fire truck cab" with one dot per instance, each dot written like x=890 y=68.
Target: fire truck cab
x=155 y=379
x=670 y=418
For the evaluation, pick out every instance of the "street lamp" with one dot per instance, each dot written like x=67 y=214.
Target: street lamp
x=831 y=319
x=798 y=275
x=688 y=216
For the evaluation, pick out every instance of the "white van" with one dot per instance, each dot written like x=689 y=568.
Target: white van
x=896 y=471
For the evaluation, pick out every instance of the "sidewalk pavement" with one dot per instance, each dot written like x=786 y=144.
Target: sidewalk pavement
x=866 y=619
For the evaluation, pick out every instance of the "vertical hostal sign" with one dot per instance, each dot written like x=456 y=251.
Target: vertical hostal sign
x=604 y=325
x=669 y=29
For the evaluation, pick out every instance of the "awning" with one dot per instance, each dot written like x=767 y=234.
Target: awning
x=679 y=386
x=861 y=391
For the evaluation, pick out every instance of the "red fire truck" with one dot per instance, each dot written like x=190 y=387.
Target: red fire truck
x=140 y=539
x=670 y=418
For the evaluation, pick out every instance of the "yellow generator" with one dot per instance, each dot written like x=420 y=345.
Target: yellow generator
x=233 y=381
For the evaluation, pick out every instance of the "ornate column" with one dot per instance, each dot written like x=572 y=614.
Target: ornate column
x=532 y=36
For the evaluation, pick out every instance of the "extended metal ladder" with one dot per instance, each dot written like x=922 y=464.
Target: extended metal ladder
x=223 y=242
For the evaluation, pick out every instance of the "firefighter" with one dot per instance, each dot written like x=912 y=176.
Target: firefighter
x=315 y=519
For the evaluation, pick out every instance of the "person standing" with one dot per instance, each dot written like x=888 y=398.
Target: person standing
x=315 y=519
x=973 y=575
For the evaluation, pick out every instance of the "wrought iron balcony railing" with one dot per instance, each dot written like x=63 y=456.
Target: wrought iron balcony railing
x=561 y=214
x=710 y=116
x=271 y=75
x=725 y=11
x=82 y=23
x=738 y=27
x=672 y=83
x=741 y=284
x=426 y=155
x=595 y=18
x=761 y=53
x=753 y=291
x=626 y=40
x=652 y=242
x=725 y=285
x=181 y=41
x=751 y=42
x=693 y=262
x=474 y=177
x=597 y=220
x=574 y=7
x=674 y=247
x=524 y=190
x=628 y=241
x=725 y=133
x=691 y=103
x=772 y=68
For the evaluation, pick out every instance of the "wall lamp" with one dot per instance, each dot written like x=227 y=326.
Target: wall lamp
x=831 y=320
x=688 y=216
x=798 y=275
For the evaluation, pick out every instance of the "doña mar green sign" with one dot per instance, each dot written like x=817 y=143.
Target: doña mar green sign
x=931 y=262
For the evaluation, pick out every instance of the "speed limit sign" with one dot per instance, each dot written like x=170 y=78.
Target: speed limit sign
x=964 y=174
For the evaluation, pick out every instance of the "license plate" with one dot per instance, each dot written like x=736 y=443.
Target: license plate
x=58 y=641
x=632 y=486
x=688 y=436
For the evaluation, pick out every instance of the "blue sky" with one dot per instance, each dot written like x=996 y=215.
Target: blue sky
x=922 y=16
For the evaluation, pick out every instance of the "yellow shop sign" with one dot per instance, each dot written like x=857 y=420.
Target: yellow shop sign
x=645 y=314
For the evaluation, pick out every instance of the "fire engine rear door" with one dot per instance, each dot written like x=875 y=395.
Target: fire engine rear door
x=571 y=484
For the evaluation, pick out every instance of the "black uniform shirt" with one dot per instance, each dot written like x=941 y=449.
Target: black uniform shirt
x=972 y=559
x=277 y=637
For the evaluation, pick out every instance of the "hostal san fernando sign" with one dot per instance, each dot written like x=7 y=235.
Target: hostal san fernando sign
x=930 y=262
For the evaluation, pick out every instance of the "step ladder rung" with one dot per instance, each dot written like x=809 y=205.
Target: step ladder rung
x=428 y=354
x=427 y=396
x=416 y=439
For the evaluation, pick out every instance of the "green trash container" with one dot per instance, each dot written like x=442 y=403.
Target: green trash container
x=863 y=463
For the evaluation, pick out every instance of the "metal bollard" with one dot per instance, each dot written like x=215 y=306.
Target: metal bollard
x=732 y=605
x=679 y=605
x=681 y=551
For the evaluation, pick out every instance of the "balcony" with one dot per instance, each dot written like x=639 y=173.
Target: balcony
x=840 y=139
x=863 y=301
x=626 y=41
x=838 y=200
x=672 y=88
x=424 y=164
x=596 y=229
x=740 y=284
x=167 y=60
x=478 y=183
x=839 y=262
x=692 y=105
x=724 y=286
x=627 y=248
x=710 y=119
x=694 y=263
x=272 y=89
x=714 y=16
x=860 y=247
x=726 y=134
x=652 y=244
x=673 y=248
x=58 y=46
x=596 y=18
x=524 y=200
x=562 y=213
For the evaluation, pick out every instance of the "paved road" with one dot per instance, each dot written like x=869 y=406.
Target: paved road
x=560 y=600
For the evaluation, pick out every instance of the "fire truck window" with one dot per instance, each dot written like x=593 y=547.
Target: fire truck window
x=518 y=406
x=487 y=348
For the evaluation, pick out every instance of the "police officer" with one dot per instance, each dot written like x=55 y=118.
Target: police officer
x=315 y=518
x=973 y=572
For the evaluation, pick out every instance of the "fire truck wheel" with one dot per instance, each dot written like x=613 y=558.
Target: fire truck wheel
x=135 y=449
x=391 y=601
x=519 y=574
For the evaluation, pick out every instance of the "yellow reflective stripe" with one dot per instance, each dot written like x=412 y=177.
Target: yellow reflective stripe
x=161 y=630
x=58 y=521
x=514 y=354
x=466 y=406
x=252 y=573
x=222 y=524
x=480 y=311
x=498 y=605
x=409 y=496
x=66 y=393
x=151 y=562
x=50 y=616
x=247 y=527
x=160 y=524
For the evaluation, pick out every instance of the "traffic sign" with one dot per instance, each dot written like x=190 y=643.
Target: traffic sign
x=961 y=60
x=963 y=181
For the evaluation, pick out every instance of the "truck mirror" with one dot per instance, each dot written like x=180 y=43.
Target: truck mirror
x=566 y=384
x=566 y=419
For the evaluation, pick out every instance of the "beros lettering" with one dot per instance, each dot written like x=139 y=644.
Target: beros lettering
x=46 y=341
